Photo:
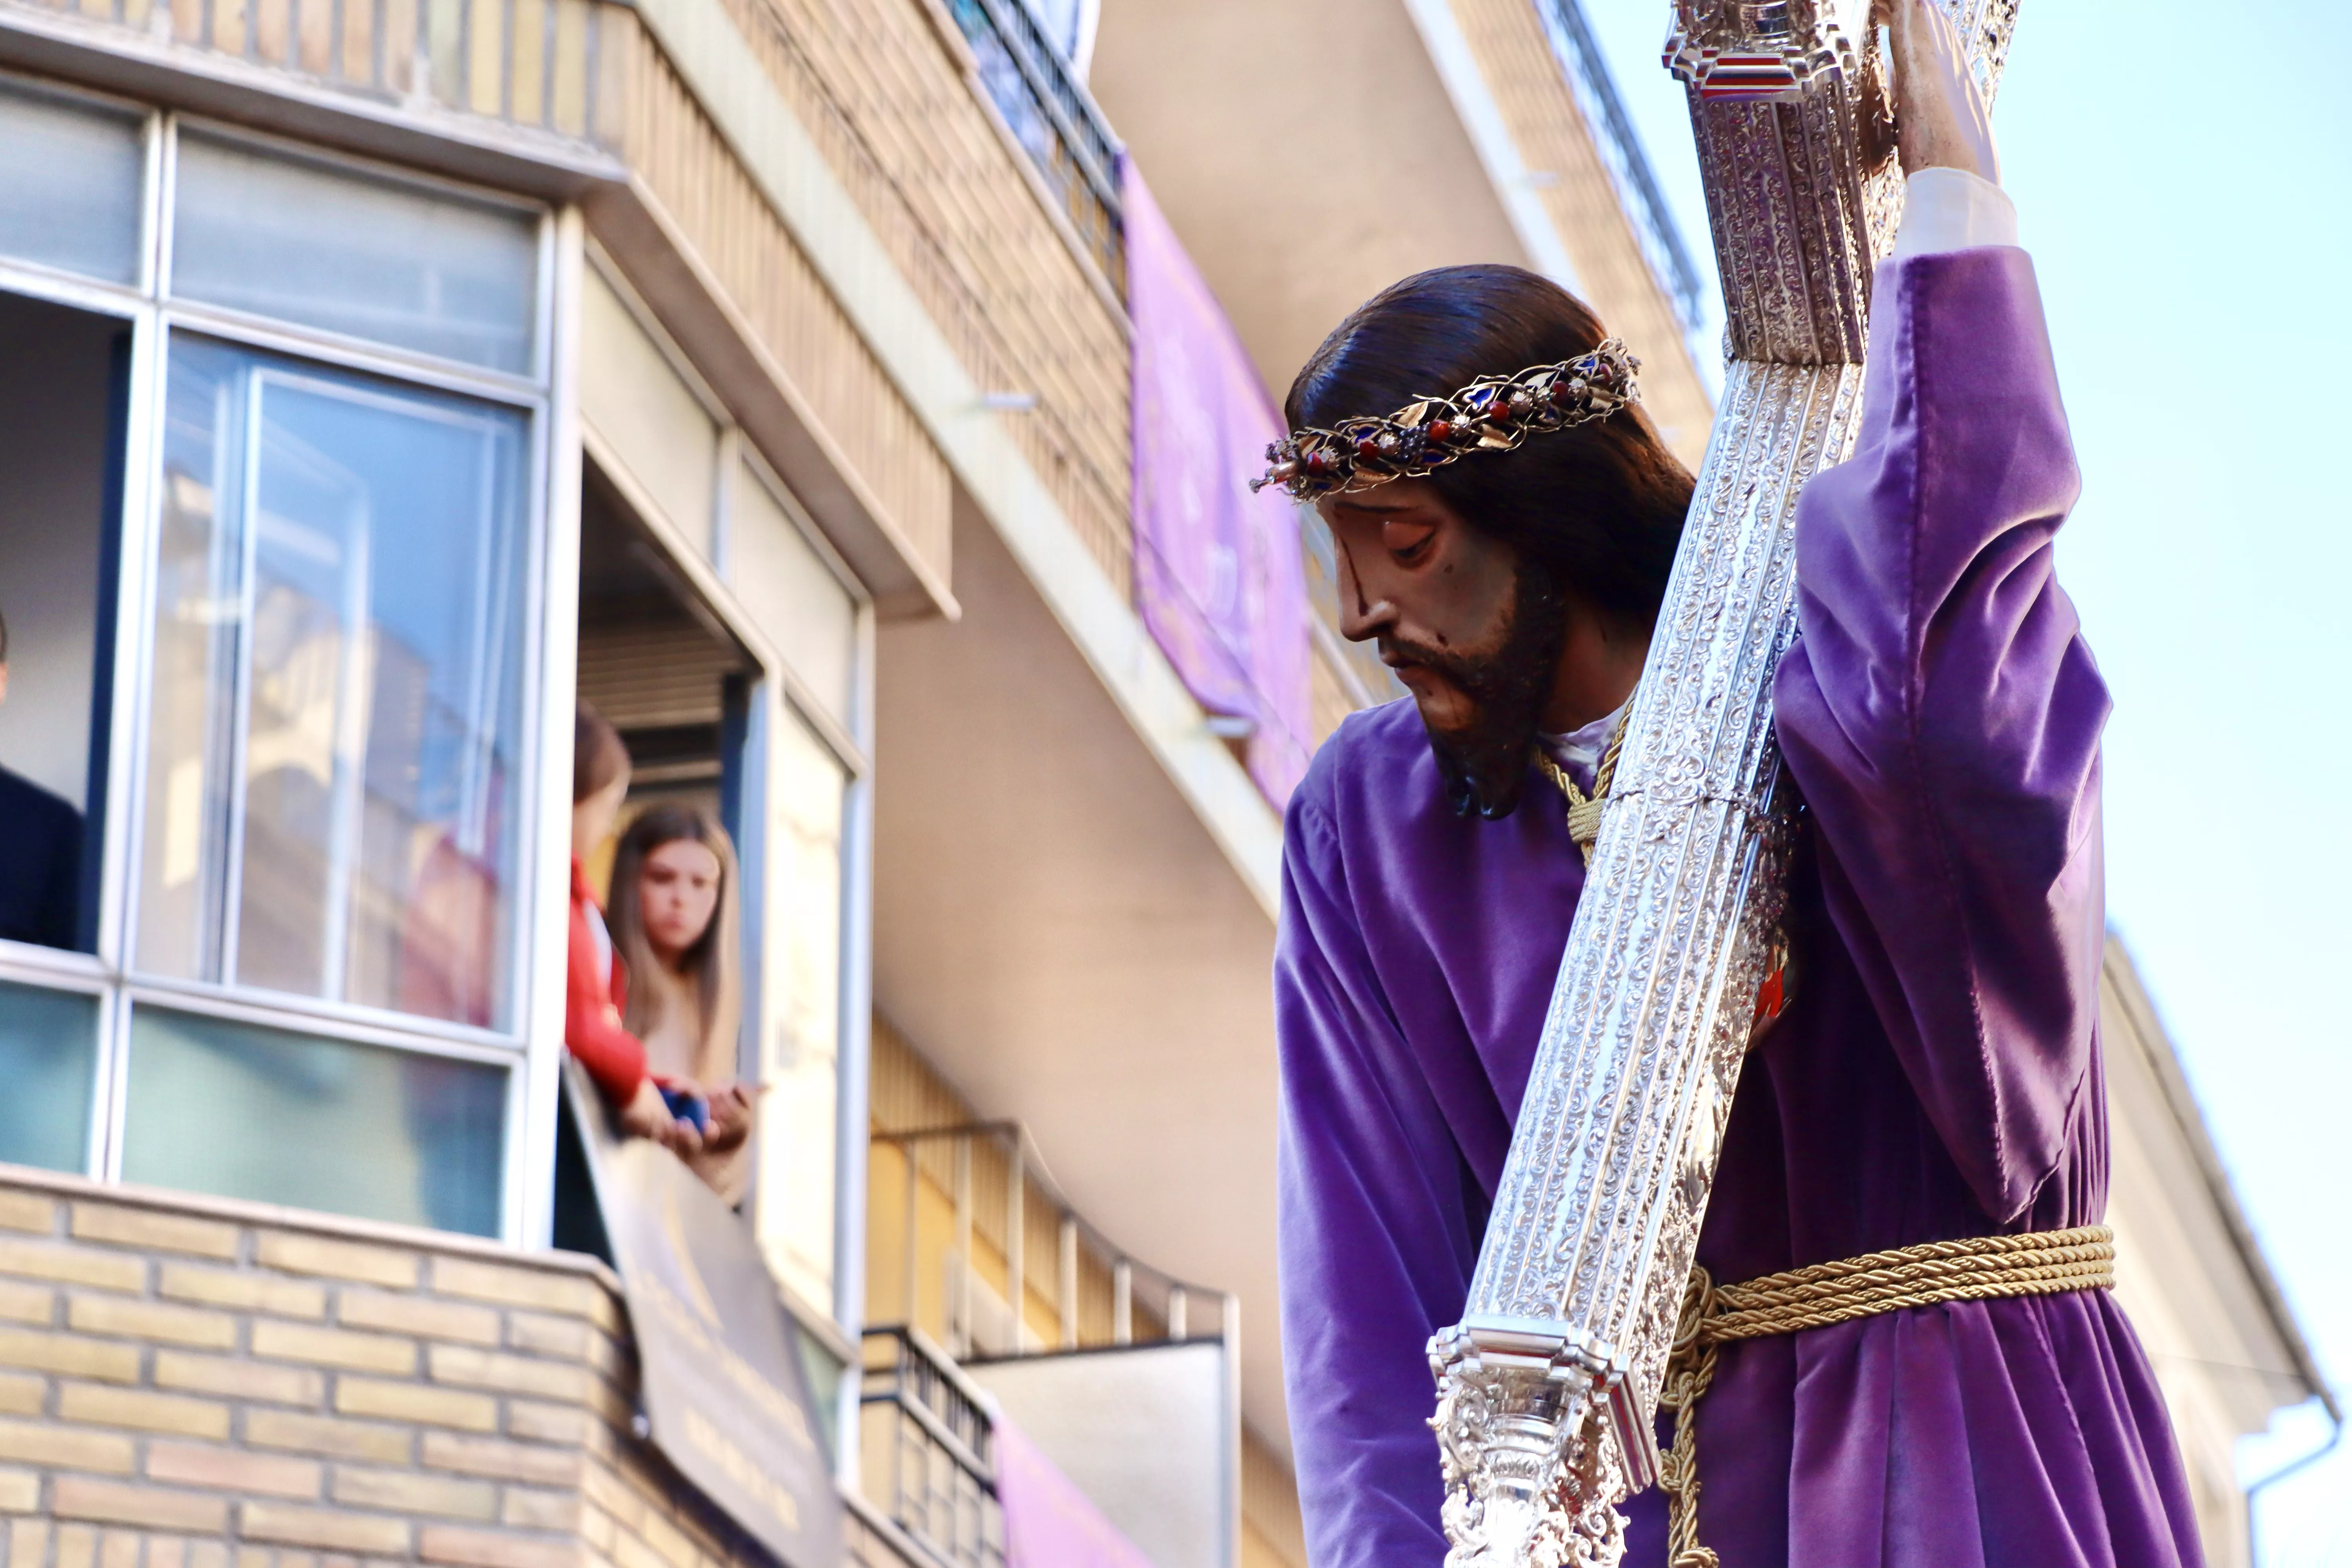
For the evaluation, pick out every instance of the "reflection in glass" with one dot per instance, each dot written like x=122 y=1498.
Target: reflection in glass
x=70 y=178
x=248 y=1112
x=48 y=1048
x=334 y=736
x=355 y=253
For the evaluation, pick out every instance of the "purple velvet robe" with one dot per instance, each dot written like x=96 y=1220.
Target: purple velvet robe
x=1937 y=1076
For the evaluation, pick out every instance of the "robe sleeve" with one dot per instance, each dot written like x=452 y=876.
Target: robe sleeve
x=1377 y=1236
x=1942 y=716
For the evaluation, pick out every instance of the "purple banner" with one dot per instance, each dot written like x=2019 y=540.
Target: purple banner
x=1048 y=1522
x=1218 y=575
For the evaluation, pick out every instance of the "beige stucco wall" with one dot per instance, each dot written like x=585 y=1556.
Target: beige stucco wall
x=1305 y=150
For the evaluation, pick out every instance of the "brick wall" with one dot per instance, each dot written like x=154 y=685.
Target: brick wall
x=190 y=1384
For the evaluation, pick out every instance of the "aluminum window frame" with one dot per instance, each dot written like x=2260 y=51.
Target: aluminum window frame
x=373 y=172
x=302 y=375
x=848 y=737
x=529 y=1049
x=151 y=138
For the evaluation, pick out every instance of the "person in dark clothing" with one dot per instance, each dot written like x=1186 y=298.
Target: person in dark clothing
x=40 y=854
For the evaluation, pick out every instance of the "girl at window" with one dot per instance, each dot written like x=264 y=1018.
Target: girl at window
x=675 y=923
x=596 y=987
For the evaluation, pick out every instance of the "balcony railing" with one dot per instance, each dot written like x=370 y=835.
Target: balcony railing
x=1007 y=1211
x=1637 y=185
x=1055 y=119
x=928 y=1462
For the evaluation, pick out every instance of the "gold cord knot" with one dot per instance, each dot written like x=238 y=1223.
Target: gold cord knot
x=1584 y=810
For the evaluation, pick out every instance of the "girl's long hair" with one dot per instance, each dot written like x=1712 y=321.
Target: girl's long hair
x=716 y=959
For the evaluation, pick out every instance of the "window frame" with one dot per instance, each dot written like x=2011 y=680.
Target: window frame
x=559 y=440
x=784 y=697
x=529 y=1050
x=529 y=570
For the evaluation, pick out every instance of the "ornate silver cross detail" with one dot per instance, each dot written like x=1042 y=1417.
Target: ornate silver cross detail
x=1549 y=1385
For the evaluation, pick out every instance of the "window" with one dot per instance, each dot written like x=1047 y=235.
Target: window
x=269 y=521
x=217 y=1105
x=270 y=560
x=762 y=702
x=72 y=174
x=334 y=728
x=800 y=1043
x=387 y=260
x=48 y=1052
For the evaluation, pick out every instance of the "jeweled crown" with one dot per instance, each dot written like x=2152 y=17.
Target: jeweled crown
x=1493 y=413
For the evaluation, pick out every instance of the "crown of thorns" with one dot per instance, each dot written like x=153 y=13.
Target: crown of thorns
x=1493 y=413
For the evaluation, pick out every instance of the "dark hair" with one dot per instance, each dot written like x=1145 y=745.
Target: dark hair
x=597 y=756
x=1599 y=506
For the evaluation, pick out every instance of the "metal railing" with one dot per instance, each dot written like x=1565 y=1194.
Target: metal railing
x=930 y=1459
x=1055 y=119
x=1098 y=1295
x=1637 y=185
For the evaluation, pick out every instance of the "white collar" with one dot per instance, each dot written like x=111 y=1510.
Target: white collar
x=1579 y=751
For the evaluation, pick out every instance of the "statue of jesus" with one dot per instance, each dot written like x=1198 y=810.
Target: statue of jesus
x=1928 y=1069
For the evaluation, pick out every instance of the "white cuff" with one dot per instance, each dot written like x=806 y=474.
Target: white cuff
x=1951 y=209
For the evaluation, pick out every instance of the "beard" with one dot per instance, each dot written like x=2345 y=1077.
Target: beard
x=1484 y=760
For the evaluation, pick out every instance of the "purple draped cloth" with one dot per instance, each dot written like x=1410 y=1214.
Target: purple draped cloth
x=1937 y=1075
x=1219 y=576
x=1048 y=1522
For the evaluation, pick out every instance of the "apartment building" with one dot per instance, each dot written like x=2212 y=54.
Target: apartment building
x=778 y=375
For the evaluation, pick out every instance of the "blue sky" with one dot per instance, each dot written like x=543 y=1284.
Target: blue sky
x=2184 y=186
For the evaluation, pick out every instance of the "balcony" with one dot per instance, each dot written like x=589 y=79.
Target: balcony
x=926 y=1459
x=1612 y=130
x=1054 y=119
x=1016 y=263
x=975 y=1210
x=1118 y=1376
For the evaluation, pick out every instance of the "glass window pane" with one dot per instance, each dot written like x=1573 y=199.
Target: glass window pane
x=651 y=419
x=801 y=1009
x=354 y=253
x=792 y=595
x=243 y=1111
x=70 y=178
x=48 y=1050
x=337 y=710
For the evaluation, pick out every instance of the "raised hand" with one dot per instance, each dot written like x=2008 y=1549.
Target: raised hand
x=1941 y=122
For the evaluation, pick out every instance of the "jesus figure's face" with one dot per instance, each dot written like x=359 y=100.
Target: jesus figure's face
x=1471 y=634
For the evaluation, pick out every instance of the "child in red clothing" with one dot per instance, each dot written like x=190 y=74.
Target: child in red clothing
x=594 y=985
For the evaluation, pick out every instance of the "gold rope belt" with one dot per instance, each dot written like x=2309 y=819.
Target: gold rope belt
x=1978 y=1268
